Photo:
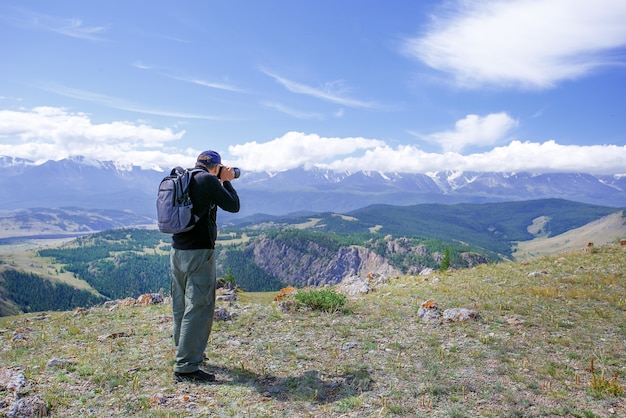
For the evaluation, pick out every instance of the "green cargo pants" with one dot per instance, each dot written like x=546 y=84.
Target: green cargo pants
x=193 y=303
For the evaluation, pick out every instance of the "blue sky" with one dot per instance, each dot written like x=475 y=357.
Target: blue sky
x=410 y=86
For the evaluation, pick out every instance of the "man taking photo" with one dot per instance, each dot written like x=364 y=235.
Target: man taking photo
x=193 y=266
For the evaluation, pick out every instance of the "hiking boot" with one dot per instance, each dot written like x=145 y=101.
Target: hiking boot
x=197 y=376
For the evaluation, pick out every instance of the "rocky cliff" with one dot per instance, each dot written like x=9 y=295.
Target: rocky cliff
x=315 y=265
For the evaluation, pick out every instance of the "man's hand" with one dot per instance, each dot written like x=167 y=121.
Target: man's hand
x=227 y=174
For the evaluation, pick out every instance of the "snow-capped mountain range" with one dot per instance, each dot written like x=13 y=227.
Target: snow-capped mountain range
x=83 y=183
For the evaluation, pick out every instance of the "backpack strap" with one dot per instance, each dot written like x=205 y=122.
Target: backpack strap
x=212 y=206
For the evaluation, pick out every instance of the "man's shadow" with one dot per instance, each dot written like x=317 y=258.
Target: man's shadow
x=310 y=386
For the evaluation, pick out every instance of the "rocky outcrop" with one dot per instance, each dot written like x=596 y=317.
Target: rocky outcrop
x=296 y=260
x=430 y=312
x=315 y=265
x=474 y=259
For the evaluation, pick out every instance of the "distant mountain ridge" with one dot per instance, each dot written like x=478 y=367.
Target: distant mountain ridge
x=93 y=184
x=44 y=223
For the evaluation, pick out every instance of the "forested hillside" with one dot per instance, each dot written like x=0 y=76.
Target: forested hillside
x=124 y=263
x=118 y=263
x=493 y=227
x=32 y=293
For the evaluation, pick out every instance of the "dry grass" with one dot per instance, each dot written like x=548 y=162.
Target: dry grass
x=551 y=341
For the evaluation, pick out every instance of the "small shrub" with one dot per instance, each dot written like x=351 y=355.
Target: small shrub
x=602 y=386
x=321 y=300
x=229 y=278
x=445 y=263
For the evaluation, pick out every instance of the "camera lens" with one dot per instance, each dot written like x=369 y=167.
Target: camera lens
x=236 y=172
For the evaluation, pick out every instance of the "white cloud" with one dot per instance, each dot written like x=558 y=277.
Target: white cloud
x=334 y=92
x=122 y=104
x=72 y=27
x=516 y=157
x=48 y=133
x=75 y=29
x=550 y=156
x=523 y=43
x=205 y=83
x=296 y=149
x=474 y=130
x=291 y=112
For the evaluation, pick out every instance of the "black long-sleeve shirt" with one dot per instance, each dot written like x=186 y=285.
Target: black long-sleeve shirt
x=207 y=193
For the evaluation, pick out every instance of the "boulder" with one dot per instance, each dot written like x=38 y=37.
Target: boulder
x=459 y=315
x=353 y=286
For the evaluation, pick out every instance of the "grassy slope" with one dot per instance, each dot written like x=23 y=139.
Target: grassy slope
x=543 y=321
x=24 y=257
x=606 y=230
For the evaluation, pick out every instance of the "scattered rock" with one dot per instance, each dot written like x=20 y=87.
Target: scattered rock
x=538 y=273
x=226 y=294
x=377 y=279
x=28 y=407
x=163 y=319
x=126 y=302
x=350 y=345
x=221 y=314
x=111 y=304
x=429 y=311
x=114 y=335
x=353 y=286
x=20 y=334
x=460 y=315
x=287 y=305
x=16 y=383
x=429 y=304
x=58 y=363
x=474 y=259
x=150 y=299
x=514 y=321
x=80 y=311
x=158 y=399
x=285 y=292
x=589 y=248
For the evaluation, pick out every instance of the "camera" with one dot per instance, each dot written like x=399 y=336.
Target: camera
x=236 y=172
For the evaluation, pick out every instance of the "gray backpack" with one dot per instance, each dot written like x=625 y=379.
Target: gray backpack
x=174 y=206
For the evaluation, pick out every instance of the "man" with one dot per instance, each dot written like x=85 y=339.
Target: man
x=192 y=262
